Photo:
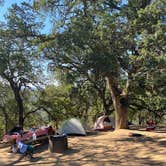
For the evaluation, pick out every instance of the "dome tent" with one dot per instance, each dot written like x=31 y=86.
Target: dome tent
x=72 y=127
x=104 y=123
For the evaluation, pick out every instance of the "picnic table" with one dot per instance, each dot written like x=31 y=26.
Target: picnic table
x=43 y=139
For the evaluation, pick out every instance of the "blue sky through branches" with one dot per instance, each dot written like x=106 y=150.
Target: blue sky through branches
x=8 y=3
x=4 y=7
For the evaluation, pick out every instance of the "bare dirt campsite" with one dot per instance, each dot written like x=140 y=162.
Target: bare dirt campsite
x=99 y=149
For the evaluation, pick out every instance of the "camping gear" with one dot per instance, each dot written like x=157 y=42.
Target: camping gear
x=135 y=135
x=72 y=127
x=22 y=136
x=104 y=123
x=58 y=143
x=150 y=128
x=51 y=131
x=26 y=150
x=150 y=125
x=16 y=129
x=34 y=136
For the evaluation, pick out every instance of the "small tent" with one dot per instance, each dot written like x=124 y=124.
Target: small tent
x=104 y=123
x=72 y=127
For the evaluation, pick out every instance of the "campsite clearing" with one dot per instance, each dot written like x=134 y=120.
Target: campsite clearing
x=100 y=149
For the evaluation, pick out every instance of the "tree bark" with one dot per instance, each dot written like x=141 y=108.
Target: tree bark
x=120 y=103
x=16 y=90
x=6 y=118
x=121 y=115
x=20 y=111
x=19 y=101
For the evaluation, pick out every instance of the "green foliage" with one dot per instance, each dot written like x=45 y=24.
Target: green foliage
x=149 y=78
x=8 y=108
x=17 y=54
x=127 y=45
x=91 y=40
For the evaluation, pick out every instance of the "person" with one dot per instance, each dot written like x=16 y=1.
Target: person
x=22 y=148
x=14 y=147
x=25 y=149
x=150 y=125
x=51 y=130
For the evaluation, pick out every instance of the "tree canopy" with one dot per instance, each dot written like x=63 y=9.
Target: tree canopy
x=107 y=55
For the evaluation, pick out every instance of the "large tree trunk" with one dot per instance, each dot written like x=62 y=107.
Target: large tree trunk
x=120 y=103
x=121 y=115
x=16 y=90
x=20 y=111
x=6 y=119
x=19 y=101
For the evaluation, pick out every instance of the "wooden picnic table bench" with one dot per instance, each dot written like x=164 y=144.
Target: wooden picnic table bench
x=43 y=139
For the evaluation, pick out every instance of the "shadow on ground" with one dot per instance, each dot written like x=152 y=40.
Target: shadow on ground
x=103 y=149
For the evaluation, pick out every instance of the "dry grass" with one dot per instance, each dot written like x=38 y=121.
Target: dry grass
x=100 y=149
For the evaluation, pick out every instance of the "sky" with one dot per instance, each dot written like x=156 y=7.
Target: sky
x=5 y=6
x=45 y=30
x=8 y=3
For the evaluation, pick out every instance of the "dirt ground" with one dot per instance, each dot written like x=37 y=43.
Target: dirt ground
x=99 y=149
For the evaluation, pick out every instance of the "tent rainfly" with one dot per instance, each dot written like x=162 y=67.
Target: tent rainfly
x=104 y=123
